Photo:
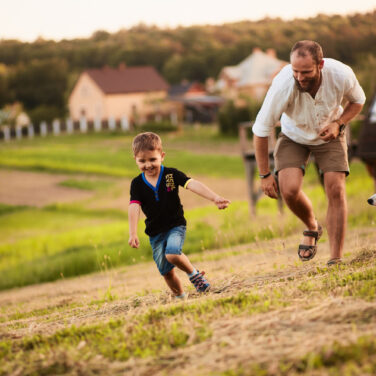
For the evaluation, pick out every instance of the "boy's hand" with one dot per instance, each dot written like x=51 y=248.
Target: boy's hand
x=222 y=203
x=133 y=241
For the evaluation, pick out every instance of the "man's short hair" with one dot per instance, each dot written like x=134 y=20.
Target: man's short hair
x=308 y=47
x=146 y=141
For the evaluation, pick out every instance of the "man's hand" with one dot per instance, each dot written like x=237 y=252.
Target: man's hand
x=133 y=241
x=222 y=203
x=330 y=131
x=269 y=186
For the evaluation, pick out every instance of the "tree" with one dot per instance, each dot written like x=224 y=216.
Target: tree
x=41 y=83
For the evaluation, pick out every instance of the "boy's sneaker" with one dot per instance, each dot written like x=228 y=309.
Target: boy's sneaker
x=183 y=296
x=200 y=283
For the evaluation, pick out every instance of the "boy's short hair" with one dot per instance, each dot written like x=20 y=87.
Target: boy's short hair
x=146 y=141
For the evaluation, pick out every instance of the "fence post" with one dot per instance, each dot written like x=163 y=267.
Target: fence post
x=111 y=123
x=69 y=126
x=158 y=118
x=18 y=133
x=83 y=124
x=30 y=130
x=43 y=129
x=124 y=123
x=6 y=132
x=97 y=124
x=56 y=127
x=174 y=118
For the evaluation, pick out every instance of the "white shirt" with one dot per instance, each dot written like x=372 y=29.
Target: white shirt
x=302 y=117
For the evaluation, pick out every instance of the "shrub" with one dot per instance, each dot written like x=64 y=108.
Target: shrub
x=230 y=116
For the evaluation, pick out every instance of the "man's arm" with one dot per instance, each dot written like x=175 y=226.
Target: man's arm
x=204 y=191
x=268 y=185
x=133 y=217
x=331 y=131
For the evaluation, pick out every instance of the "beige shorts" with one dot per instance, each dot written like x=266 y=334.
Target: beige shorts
x=331 y=156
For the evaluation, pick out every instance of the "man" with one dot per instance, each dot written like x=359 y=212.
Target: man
x=306 y=97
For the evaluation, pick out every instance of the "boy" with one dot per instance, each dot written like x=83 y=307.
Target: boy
x=156 y=191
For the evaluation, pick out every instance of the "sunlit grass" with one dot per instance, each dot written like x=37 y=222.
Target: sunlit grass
x=86 y=185
x=111 y=154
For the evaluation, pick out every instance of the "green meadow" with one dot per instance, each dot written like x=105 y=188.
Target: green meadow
x=106 y=310
x=67 y=240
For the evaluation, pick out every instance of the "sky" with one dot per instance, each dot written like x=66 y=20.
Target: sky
x=27 y=20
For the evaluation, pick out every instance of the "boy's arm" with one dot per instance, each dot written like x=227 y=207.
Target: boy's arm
x=202 y=190
x=133 y=217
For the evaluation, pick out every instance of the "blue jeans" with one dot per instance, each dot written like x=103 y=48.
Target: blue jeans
x=169 y=242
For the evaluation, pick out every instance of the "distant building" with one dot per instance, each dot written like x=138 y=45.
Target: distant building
x=133 y=92
x=251 y=77
x=194 y=103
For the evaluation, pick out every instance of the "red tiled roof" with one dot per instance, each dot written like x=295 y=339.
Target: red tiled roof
x=128 y=79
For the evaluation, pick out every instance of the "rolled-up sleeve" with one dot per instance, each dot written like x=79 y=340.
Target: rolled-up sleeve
x=354 y=92
x=275 y=103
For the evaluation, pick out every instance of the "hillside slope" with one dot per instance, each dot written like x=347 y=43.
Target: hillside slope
x=267 y=314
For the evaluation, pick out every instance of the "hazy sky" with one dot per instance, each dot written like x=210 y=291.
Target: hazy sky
x=57 y=19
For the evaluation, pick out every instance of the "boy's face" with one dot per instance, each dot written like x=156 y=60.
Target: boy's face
x=149 y=162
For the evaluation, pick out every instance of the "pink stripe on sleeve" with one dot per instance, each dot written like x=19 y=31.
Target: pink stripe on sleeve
x=135 y=202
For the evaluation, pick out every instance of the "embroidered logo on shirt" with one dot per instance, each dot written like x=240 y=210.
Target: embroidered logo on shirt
x=170 y=184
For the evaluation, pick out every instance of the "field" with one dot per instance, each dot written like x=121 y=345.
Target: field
x=75 y=299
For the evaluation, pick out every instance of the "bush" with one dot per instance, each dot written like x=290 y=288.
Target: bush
x=230 y=116
x=45 y=113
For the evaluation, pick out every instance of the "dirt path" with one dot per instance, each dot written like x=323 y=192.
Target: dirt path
x=36 y=189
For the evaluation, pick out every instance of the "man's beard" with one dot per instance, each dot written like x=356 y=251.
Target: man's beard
x=310 y=83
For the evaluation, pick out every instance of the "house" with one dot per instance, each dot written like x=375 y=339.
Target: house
x=132 y=92
x=251 y=77
x=194 y=103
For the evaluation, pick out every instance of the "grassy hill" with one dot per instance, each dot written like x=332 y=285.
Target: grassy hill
x=104 y=309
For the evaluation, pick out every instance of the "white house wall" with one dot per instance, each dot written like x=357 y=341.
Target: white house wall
x=86 y=99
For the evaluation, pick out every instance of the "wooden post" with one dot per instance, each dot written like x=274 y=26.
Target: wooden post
x=124 y=123
x=43 y=129
x=69 y=126
x=83 y=124
x=97 y=124
x=111 y=123
x=30 y=130
x=250 y=165
x=56 y=127
x=174 y=118
x=6 y=132
x=18 y=133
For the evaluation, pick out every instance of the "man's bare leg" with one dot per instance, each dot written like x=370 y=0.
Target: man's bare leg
x=336 y=217
x=290 y=185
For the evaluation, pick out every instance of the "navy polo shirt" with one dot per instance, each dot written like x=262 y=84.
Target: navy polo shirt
x=160 y=204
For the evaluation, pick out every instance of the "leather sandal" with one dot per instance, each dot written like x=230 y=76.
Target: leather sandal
x=334 y=261
x=312 y=249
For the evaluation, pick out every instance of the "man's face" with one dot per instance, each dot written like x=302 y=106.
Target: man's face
x=149 y=162
x=306 y=72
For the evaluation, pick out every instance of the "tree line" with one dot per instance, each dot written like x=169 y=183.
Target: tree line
x=41 y=74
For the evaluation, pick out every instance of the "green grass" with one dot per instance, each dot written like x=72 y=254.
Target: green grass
x=161 y=329
x=86 y=185
x=353 y=359
x=149 y=334
x=39 y=245
x=111 y=154
x=42 y=245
